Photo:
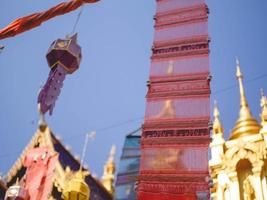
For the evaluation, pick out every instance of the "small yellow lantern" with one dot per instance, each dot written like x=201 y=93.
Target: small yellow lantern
x=76 y=188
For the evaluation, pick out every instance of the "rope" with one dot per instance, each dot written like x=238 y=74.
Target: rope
x=78 y=135
x=77 y=19
x=236 y=85
x=136 y=119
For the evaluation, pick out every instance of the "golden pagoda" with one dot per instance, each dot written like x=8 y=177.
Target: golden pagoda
x=238 y=166
x=109 y=171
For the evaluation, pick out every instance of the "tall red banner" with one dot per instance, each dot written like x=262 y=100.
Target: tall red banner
x=176 y=135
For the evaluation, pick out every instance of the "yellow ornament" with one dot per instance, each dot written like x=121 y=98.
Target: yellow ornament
x=76 y=188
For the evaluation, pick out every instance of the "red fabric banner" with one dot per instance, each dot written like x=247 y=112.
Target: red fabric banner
x=40 y=163
x=187 y=108
x=162 y=196
x=31 y=21
x=179 y=159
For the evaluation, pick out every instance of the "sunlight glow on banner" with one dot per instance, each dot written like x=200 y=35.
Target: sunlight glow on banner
x=178 y=159
x=177 y=108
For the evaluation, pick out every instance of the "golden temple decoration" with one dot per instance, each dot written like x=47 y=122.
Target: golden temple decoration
x=217 y=143
x=217 y=127
x=41 y=117
x=263 y=115
x=264 y=109
x=238 y=166
x=42 y=137
x=75 y=186
x=71 y=184
x=109 y=171
x=246 y=123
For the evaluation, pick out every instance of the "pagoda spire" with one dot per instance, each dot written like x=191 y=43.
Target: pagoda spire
x=217 y=126
x=264 y=109
x=246 y=123
x=217 y=144
x=109 y=171
x=239 y=76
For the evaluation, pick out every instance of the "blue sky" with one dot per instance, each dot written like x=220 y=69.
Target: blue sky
x=110 y=86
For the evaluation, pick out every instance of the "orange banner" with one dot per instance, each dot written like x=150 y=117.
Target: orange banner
x=31 y=21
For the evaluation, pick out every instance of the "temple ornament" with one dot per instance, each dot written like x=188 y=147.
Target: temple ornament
x=76 y=188
x=47 y=170
x=64 y=57
x=237 y=165
x=109 y=171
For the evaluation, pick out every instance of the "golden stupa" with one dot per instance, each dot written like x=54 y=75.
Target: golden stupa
x=238 y=166
x=246 y=123
x=109 y=172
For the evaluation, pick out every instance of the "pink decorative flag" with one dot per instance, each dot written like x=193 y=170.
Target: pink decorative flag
x=40 y=163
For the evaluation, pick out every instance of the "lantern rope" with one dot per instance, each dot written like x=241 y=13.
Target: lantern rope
x=77 y=19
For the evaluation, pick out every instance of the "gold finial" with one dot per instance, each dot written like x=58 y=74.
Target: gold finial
x=217 y=127
x=264 y=109
x=239 y=75
x=42 y=122
x=246 y=123
x=112 y=153
x=109 y=171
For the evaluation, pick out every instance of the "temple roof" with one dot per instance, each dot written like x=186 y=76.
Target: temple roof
x=66 y=162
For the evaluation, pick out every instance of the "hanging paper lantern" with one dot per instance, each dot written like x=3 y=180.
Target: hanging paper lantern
x=63 y=57
x=16 y=192
x=76 y=188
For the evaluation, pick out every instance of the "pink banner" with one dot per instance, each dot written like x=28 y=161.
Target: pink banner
x=181 y=31
x=180 y=65
x=168 y=5
x=177 y=108
x=177 y=159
